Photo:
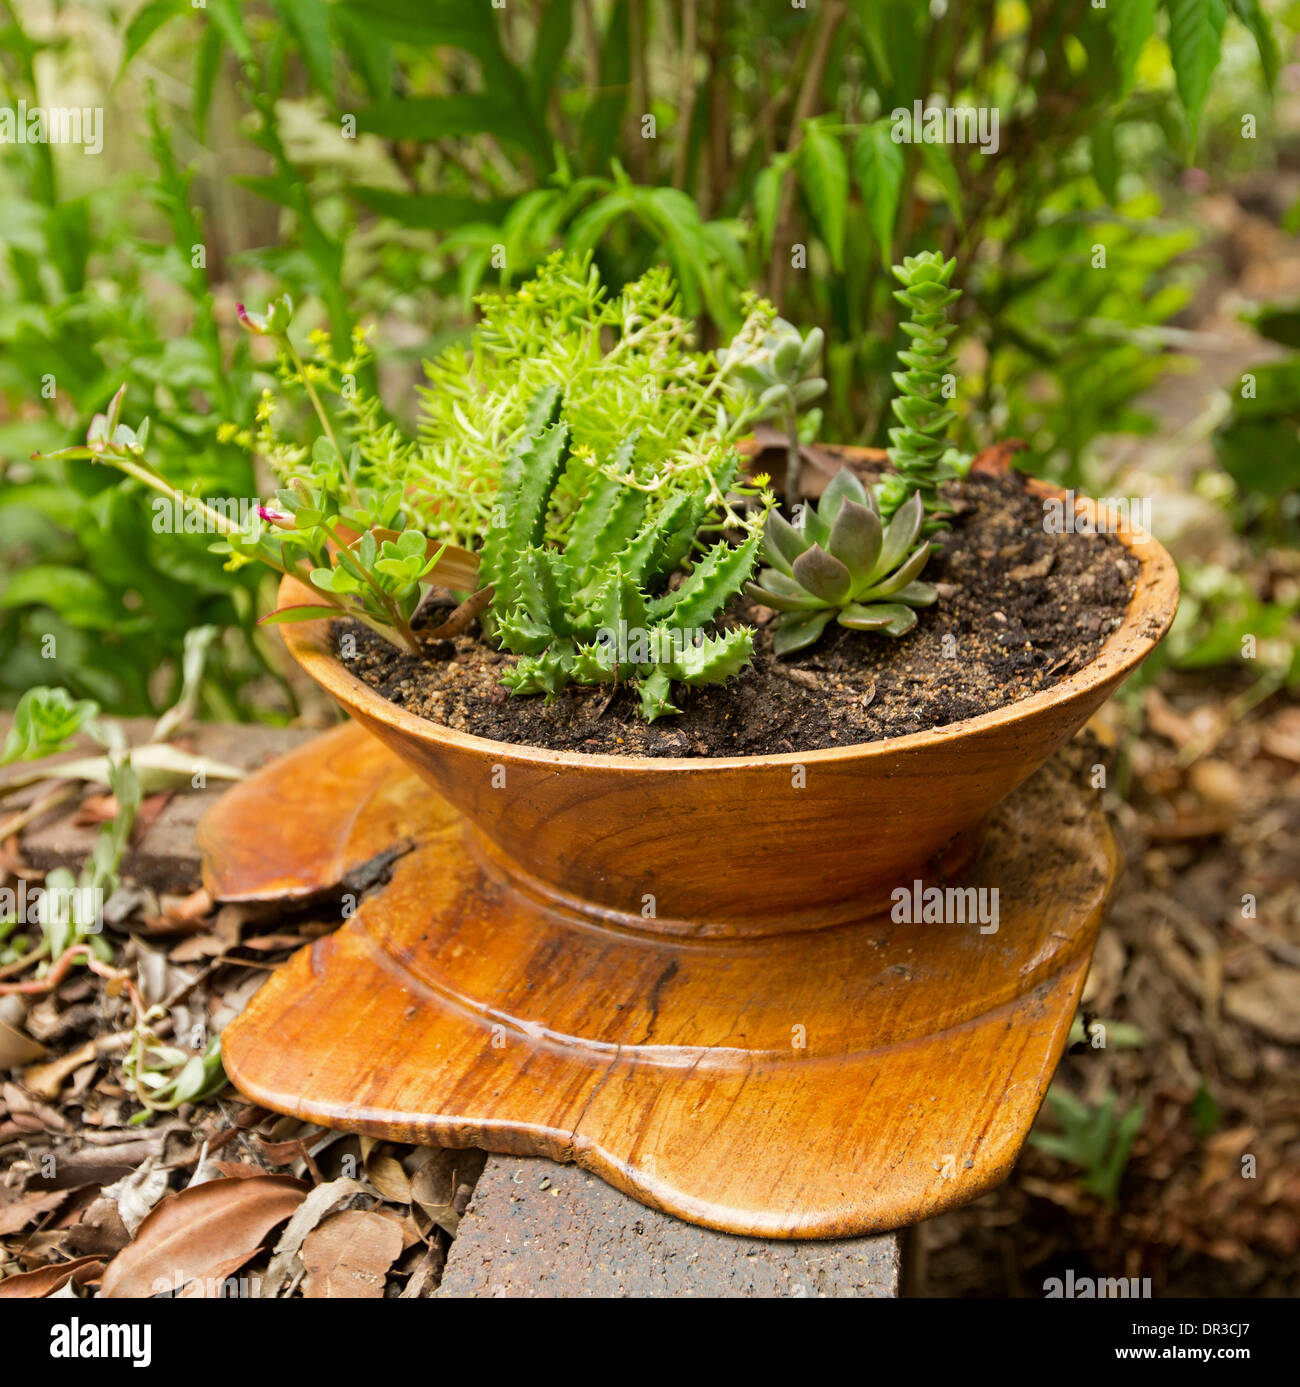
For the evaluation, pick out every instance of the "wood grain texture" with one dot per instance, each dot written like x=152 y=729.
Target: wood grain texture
x=821 y=1084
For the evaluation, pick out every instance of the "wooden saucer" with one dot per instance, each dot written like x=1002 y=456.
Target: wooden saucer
x=825 y=1083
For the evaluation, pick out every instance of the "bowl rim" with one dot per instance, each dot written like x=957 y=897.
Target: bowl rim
x=1147 y=618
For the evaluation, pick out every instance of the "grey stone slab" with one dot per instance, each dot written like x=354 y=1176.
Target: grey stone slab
x=534 y=1228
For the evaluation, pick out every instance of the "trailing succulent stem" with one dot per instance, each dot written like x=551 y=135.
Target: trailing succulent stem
x=920 y=452
x=840 y=560
x=599 y=609
x=343 y=542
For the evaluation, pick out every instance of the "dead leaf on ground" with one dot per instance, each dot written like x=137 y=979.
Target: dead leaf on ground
x=210 y=943
x=18 y=1048
x=441 y=1187
x=137 y=1194
x=388 y=1177
x=45 y=1281
x=309 y=1213
x=99 y=1231
x=47 y=1080
x=348 y=1256
x=426 y=1275
x=17 y=1213
x=203 y=1233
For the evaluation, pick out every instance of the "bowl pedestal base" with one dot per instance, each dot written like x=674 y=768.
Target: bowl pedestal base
x=825 y=1083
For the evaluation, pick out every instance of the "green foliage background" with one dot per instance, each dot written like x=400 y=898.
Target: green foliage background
x=386 y=159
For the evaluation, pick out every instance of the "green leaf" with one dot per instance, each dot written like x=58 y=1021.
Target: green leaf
x=78 y=596
x=1105 y=167
x=438 y=117
x=303 y=611
x=433 y=212
x=308 y=21
x=1132 y=22
x=1252 y=15
x=1195 y=40
x=879 y=165
x=824 y=172
x=146 y=22
x=207 y=63
x=938 y=164
x=767 y=199
x=553 y=34
x=227 y=17
x=45 y=720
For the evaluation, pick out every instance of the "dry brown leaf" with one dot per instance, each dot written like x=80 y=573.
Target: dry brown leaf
x=18 y=1213
x=47 y=1080
x=44 y=1281
x=212 y=1284
x=198 y=1232
x=388 y=1177
x=425 y=1275
x=348 y=1256
x=213 y=943
x=18 y=1048
x=309 y=1213
x=237 y=1170
x=435 y=1185
x=272 y=943
x=137 y=1194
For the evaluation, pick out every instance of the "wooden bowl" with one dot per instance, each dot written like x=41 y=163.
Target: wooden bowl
x=736 y=845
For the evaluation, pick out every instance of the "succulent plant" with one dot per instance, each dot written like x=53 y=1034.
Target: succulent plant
x=921 y=454
x=598 y=610
x=779 y=373
x=840 y=560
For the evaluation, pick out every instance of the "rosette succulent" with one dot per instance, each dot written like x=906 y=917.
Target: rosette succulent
x=841 y=560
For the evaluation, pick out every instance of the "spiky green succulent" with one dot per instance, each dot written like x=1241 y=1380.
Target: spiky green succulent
x=840 y=560
x=921 y=454
x=598 y=609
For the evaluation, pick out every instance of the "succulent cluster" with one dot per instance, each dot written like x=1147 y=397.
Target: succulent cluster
x=840 y=560
x=779 y=373
x=591 y=515
x=920 y=451
x=598 y=608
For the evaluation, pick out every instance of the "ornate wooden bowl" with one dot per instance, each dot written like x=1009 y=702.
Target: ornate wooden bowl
x=683 y=974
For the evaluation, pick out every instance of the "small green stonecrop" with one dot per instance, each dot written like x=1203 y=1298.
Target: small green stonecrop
x=839 y=560
x=599 y=609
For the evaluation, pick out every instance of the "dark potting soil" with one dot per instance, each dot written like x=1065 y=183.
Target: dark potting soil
x=1019 y=609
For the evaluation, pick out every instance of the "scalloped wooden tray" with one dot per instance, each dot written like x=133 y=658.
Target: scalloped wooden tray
x=821 y=1083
